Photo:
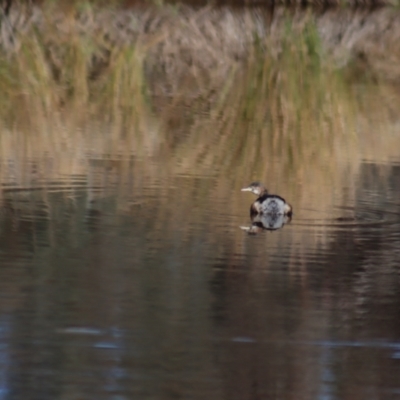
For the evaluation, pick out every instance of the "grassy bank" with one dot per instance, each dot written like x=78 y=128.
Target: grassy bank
x=212 y=87
x=121 y=66
x=114 y=62
x=208 y=86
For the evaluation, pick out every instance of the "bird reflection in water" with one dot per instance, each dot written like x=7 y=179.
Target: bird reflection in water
x=266 y=222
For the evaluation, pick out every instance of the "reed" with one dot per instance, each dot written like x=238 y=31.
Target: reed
x=119 y=64
x=285 y=101
x=64 y=75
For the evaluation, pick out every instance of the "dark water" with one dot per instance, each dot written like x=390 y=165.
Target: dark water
x=147 y=288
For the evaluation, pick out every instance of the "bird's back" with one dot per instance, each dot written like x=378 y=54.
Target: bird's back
x=270 y=204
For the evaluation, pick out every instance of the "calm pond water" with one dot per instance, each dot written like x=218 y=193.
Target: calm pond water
x=119 y=285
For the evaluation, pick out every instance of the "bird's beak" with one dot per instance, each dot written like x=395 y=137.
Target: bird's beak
x=246 y=189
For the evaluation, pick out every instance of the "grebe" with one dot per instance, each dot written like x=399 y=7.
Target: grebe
x=271 y=204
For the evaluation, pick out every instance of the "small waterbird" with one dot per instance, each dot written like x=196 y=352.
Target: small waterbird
x=267 y=204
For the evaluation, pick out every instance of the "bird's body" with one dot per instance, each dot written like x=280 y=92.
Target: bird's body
x=267 y=204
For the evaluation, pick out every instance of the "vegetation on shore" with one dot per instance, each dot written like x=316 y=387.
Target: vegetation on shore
x=171 y=78
x=115 y=64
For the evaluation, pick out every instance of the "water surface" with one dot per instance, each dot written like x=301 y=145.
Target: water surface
x=121 y=285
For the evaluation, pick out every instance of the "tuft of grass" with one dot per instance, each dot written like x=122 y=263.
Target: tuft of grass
x=122 y=91
x=27 y=80
x=285 y=101
x=65 y=67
